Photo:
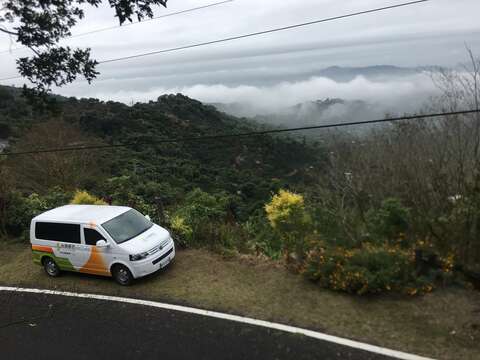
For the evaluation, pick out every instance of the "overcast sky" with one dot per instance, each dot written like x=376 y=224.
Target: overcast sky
x=432 y=33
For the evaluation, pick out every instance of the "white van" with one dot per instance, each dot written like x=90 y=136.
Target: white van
x=103 y=240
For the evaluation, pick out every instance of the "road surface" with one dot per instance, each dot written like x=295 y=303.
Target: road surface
x=40 y=326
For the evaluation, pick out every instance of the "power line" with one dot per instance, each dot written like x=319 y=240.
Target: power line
x=136 y=23
x=240 y=135
x=154 y=18
x=290 y=27
x=264 y=32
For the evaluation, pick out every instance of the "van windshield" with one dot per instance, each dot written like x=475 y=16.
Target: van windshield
x=127 y=226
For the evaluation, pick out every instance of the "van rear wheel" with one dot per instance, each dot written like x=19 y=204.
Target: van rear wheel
x=51 y=268
x=122 y=275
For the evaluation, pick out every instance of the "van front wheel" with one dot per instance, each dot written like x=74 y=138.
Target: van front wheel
x=122 y=275
x=51 y=268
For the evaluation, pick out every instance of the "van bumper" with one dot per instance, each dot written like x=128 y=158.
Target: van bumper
x=153 y=263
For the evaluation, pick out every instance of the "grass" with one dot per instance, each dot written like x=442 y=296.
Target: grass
x=443 y=325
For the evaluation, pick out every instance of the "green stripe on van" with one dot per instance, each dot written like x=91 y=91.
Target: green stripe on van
x=63 y=263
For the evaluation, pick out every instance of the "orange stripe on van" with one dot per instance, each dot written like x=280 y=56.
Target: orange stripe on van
x=42 y=248
x=95 y=264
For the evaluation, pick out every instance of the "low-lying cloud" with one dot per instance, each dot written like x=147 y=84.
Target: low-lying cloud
x=394 y=95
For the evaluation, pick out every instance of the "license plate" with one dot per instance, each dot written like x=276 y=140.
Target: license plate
x=165 y=262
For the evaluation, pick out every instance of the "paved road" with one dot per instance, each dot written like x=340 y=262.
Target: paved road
x=34 y=326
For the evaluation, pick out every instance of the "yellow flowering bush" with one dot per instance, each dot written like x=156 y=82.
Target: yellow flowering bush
x=285 y=209
x=369 y=269
x=84 y=198
x=287 y=216
x=179 y=226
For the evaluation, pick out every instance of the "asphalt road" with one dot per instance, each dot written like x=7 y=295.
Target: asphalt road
x=34 y=326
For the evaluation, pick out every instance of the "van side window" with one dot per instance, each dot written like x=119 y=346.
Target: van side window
x=69 y=233
x=92 y=236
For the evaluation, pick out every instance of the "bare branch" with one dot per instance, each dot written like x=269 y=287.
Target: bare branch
x=2 y=29
x=34 y=50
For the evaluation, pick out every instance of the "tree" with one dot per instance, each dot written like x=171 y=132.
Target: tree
x=69 y=170
x=289 y=219
x=41 y=24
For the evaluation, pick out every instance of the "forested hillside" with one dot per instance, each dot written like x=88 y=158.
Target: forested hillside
x=247 y=169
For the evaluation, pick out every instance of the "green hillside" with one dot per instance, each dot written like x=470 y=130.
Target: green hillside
x=247 y=168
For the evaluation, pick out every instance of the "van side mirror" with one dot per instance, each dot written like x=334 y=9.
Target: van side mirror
x=148 y=217
x=102 y=244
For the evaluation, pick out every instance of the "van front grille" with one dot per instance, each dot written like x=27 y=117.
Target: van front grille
x=159 y=248
x=156 y=261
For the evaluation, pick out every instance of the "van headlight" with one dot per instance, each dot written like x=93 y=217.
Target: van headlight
x=138 y=257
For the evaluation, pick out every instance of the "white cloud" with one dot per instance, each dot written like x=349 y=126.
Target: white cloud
x=408 y=93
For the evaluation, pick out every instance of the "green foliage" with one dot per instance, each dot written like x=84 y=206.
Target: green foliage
x=84 y=198
x=128 y=191
x=182 y=231
x=338 y=225
x=391 y=220
x=261 y=238
x=198 y=219
x=21 y=209
x=56 y=197
x=366 y=270
x=200 y=206
x=247 y=169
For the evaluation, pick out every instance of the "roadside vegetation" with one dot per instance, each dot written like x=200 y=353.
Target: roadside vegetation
x=393 y=208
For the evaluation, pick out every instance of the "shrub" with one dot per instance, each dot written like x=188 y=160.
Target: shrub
x=366 y=270
x=198 y=219
x=200 y=206
x=84 y=198
x=20 y=211
x=286 y=211
x=288 y=218
x=462 y=229
x=182 y=232
x=261 y=238
x=391 y=221
x=56 y=197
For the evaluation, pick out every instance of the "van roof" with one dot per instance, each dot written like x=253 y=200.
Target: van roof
x=84 y=214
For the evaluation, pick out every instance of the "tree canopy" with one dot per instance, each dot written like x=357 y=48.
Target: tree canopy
x=41 y=24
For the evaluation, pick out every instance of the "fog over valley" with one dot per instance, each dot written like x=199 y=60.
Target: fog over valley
x=335 y=94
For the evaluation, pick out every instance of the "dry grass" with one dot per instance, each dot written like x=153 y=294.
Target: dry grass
x=444 y=324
